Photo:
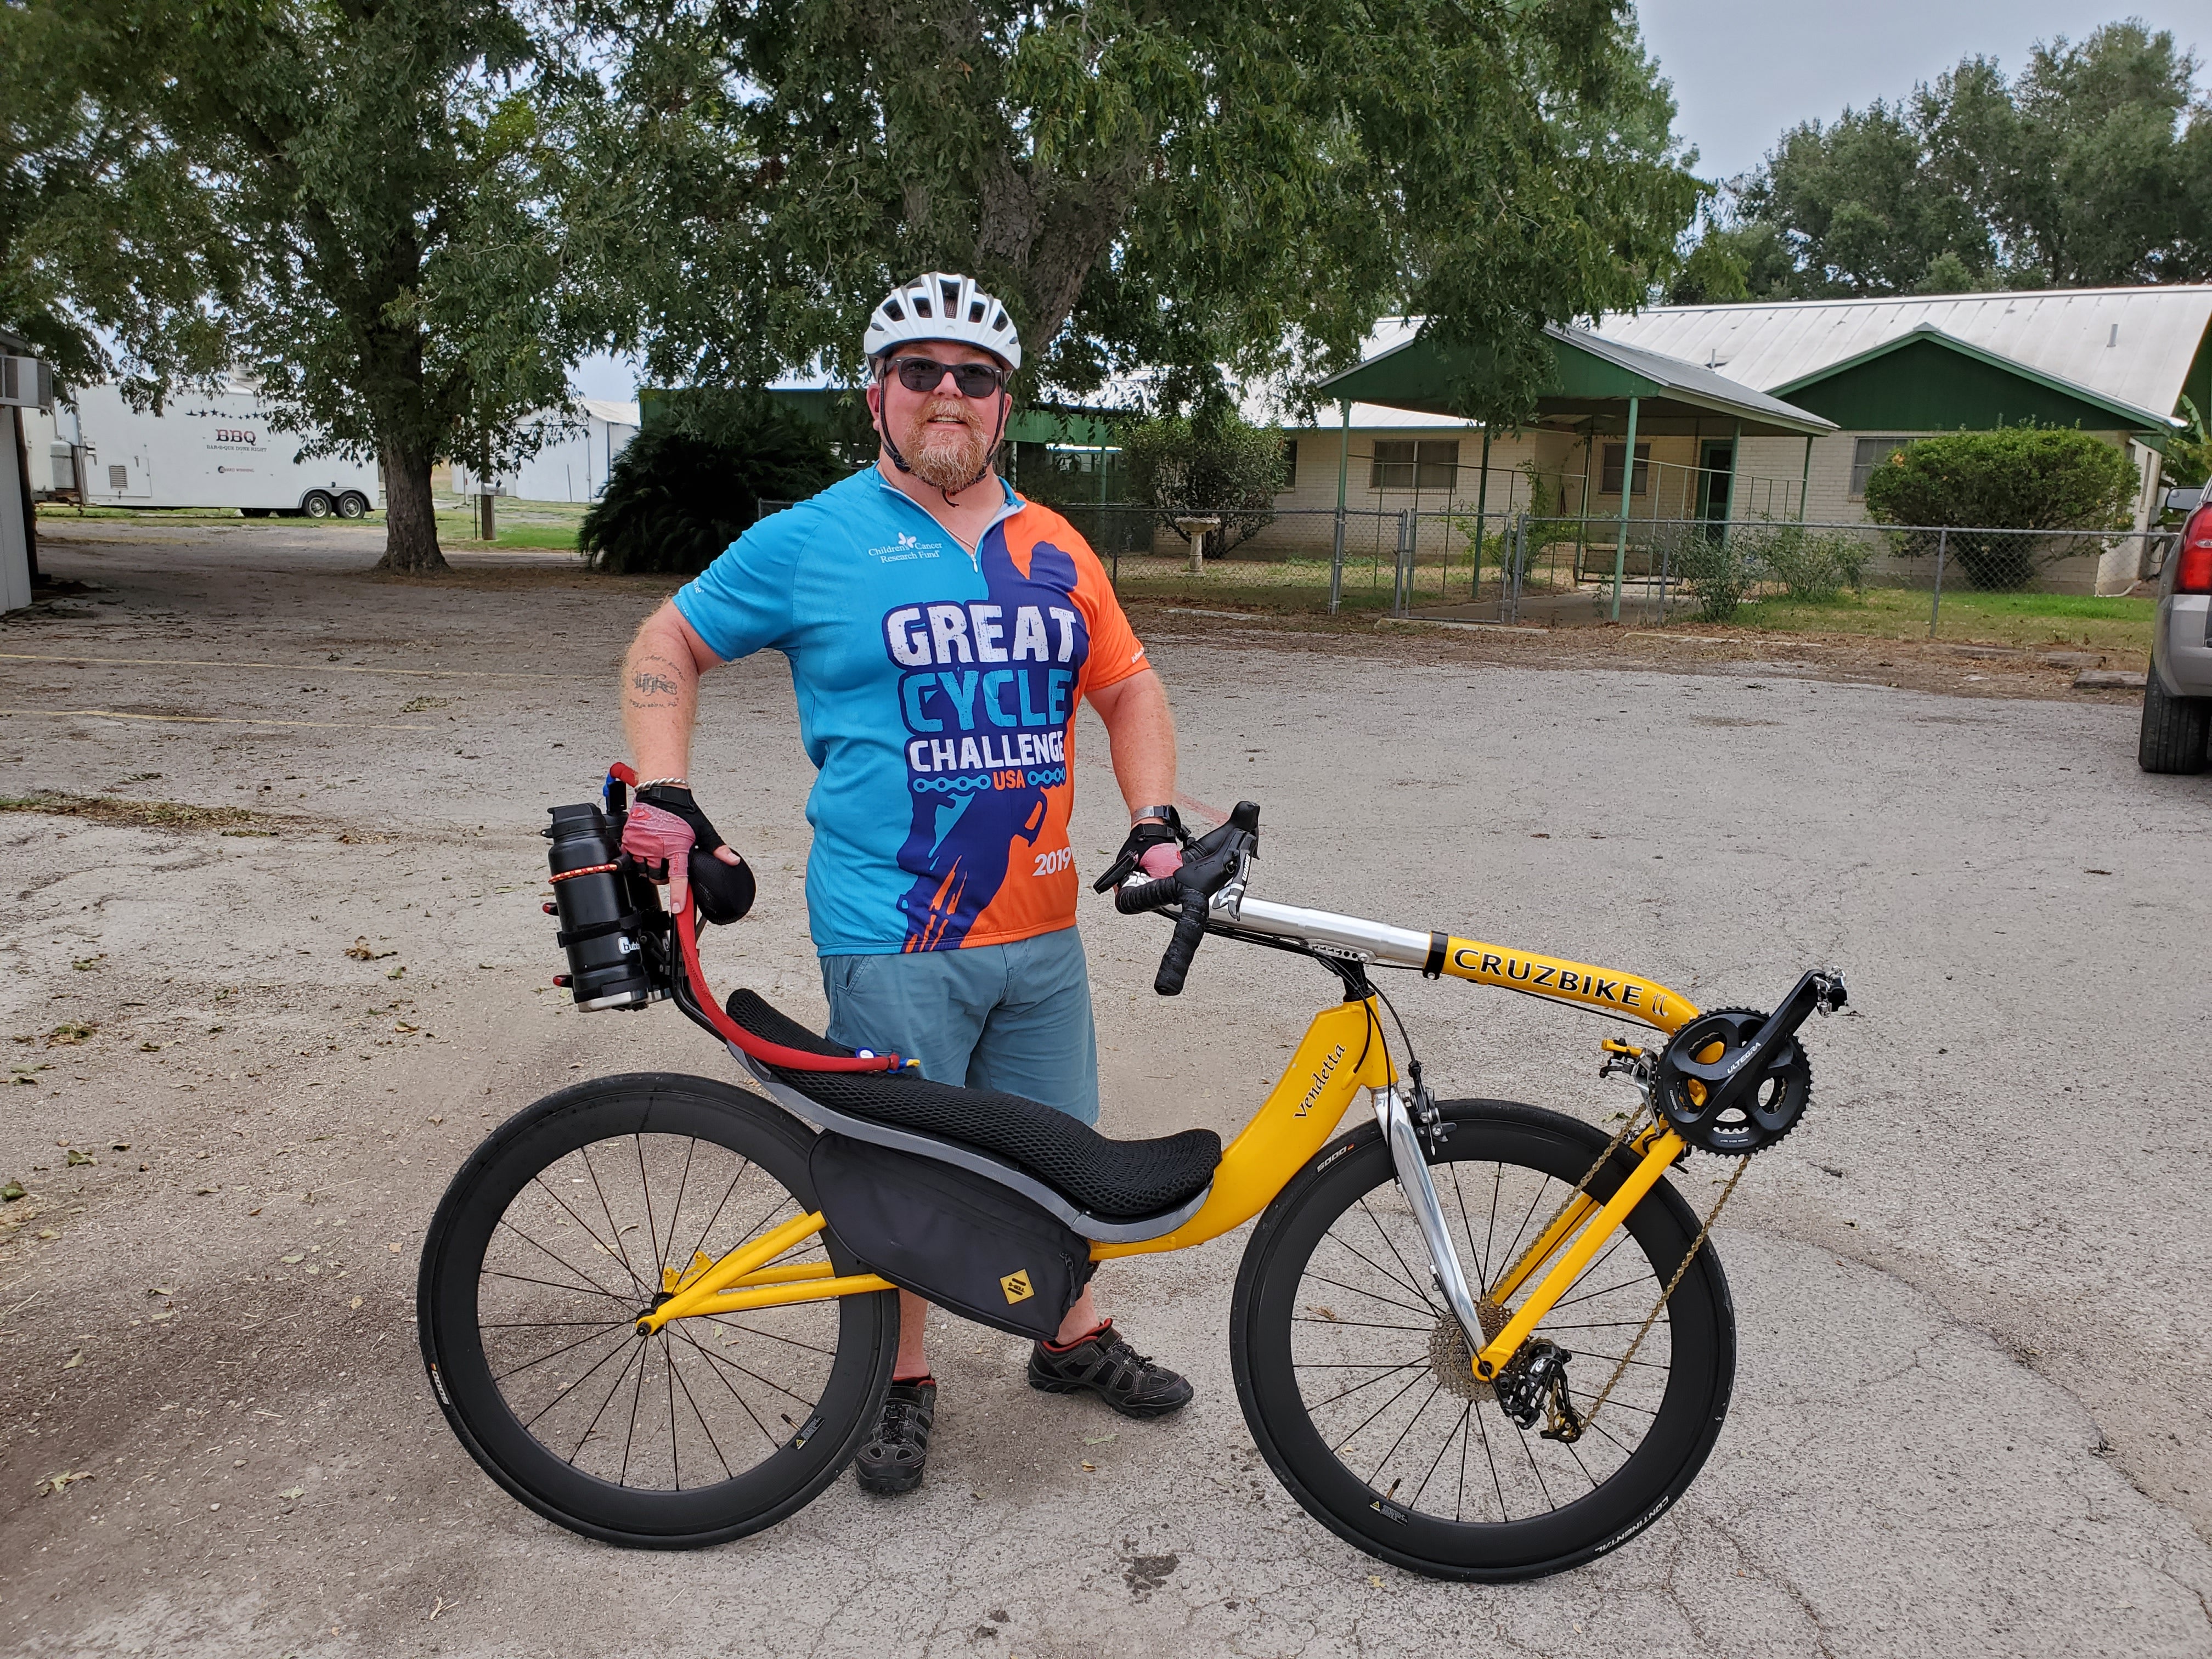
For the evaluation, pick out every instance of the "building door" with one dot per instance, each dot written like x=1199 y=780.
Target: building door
x=1715 y=479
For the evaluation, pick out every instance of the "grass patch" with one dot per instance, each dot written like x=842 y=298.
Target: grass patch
x=2085 y=620
x=144 y=814
x=524 y=526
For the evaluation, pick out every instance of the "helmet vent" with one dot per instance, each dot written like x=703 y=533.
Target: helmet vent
x=892 y=310
x=922 y=308
x=976 y=312
x=951 y=292
x=999 y=324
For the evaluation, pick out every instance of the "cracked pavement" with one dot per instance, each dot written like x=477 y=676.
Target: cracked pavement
x=1970 y=1414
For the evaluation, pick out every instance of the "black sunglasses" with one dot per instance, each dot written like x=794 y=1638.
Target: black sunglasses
x=927 y=374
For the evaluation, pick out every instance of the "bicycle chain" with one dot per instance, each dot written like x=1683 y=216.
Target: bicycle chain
x=1487 y=1310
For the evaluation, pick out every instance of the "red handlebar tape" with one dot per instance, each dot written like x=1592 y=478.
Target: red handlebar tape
x=769 y=1053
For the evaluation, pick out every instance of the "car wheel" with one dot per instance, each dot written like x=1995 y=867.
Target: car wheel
x=317 y=505
x=353 y=505
x=2174 y=729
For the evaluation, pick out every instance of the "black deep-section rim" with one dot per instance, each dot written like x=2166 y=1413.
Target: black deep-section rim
x=1689 y=1418
x=461 y=1379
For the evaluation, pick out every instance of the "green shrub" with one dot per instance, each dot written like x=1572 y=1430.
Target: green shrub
x=1216 y=464
x=2016 y=478
x=684 y=488
x=1720 y=571
x=1811 y=565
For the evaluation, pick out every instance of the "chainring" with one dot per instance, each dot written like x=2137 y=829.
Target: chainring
x=1773 y=1111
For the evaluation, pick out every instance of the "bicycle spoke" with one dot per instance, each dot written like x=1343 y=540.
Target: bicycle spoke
x=1530 y=1455
x=501 y=1376
x=1357 y=1387
x=699 y=1247
x=704 y=1427
x=1435 y=1389
x=1351 y=1249
x=525 y=1278
x=652 y=1227
x=1504 y=1510
x=1360 y=1325
x=1388 y=1301
x=637 y=1394
x=1457 y=1430
x=685 y=1337
x=1377 y=1412
x=637 y=1353
x=724 y=1359
x=585 y=1152
x=559 y=1261
x=1409 y=1281
x=539 y=1180
x=690 y=1151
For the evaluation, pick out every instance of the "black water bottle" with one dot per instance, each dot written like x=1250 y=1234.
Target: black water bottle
x=603 y=924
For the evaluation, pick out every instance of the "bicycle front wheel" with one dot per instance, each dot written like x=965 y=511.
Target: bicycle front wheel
x=558 y=1232
x=1357 y=1386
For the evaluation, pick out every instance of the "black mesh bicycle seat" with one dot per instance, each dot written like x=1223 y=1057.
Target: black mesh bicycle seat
x=1117 y=1179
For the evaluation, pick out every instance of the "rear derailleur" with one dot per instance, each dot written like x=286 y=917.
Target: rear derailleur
x=1533 y=1384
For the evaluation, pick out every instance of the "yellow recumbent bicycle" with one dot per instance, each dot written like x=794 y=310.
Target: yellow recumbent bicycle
x=1475 y=1338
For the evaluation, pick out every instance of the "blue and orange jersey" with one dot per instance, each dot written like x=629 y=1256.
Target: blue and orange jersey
x=937 y=693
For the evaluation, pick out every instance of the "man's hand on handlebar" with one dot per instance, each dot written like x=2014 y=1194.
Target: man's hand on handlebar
x=663 y=827
x=1153 y=848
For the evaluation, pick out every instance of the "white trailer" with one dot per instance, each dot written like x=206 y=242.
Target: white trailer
x=204 y=450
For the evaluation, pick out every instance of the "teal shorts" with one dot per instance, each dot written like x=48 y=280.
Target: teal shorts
x=1014 y=1017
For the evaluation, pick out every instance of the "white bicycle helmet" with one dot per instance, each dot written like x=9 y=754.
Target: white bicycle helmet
x=942 y=305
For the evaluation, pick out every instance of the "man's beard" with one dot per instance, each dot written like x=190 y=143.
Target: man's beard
x=951 y=458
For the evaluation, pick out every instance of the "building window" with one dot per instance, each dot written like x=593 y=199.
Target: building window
x=1290 y=465
x=1405 y=463
x=1615 y=460
x=1869 y=453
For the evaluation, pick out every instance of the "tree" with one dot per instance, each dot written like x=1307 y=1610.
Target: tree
x=2017 y=478
x=1218 y=464
x=379 y=165
x=104 y=235
x=687 y=486
x=2094 y=166
x=1184 y=186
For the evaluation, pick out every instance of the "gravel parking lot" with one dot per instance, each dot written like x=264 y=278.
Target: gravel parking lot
x=1973 y=1412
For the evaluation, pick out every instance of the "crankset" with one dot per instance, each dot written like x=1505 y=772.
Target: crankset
x=1734 y=1081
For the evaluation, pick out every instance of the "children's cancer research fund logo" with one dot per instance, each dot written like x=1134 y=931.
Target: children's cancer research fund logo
x=987 y=689
x=906 y=548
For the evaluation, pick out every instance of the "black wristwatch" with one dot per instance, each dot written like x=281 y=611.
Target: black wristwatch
x=1164 y=814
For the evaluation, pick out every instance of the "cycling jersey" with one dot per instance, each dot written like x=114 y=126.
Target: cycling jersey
x=937 y=692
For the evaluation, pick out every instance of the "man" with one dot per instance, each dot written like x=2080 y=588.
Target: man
x=940 y=632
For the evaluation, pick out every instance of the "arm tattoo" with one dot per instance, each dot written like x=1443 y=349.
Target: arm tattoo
x=654 y=683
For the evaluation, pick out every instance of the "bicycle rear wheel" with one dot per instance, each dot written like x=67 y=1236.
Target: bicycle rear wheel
x=1356 y=1385
x=558 y=1232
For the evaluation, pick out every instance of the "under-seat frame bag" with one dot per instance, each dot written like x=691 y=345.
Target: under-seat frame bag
x=957 y=1238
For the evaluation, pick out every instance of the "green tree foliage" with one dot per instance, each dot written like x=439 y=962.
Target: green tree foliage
x=2016 y=478
x=686 y=488
x=1215 y=463
x=2093 y=166
x=2188 y=459
x=103 y=231
x=378 y=166
x=1184 y=184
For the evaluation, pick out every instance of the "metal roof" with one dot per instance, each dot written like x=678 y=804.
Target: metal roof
x=2134 y=345
x=1595 y=378
x=2128 y=413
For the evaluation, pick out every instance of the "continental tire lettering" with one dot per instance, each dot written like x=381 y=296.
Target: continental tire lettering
x=1320 y=1080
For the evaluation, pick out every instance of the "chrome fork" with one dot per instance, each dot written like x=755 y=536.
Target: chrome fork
x=1403 y=1136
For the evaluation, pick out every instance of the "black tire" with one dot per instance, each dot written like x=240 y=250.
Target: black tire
x=1333 y=1303
x=353 y=505
x=315 y=504
x=2175 y=730
x=797 y=1387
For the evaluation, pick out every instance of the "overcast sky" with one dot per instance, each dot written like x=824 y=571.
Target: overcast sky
x=1745 y=70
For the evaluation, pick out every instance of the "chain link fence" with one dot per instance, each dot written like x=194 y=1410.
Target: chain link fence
x=1553 y=571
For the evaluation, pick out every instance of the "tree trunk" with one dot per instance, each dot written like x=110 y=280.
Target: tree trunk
x=411 y=527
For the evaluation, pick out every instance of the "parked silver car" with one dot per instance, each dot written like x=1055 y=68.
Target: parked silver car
x=2176 y=717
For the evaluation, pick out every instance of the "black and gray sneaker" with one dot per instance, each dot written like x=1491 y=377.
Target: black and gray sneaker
x=892 y=1461
x=1104 y=1364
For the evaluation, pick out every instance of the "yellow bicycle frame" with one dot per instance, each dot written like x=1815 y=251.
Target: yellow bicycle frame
x=1342 y=1052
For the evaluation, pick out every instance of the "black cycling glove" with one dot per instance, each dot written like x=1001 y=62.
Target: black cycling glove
x=1142 y=838
x=723 y=891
